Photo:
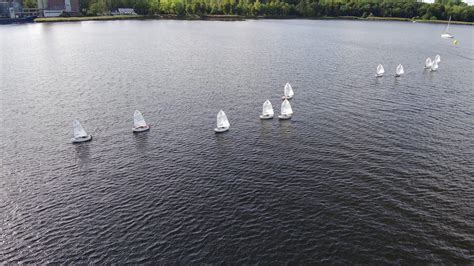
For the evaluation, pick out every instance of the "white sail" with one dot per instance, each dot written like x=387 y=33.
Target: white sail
x=79 y=132
x=267 y=108
x=437 y=58
x=447 y=27
x=138 y=120
x=380 y=70
x=446 y=34
x=286 y=108
x=222 y=120
x=434 y=66
x=400 y=70
x=428 y=62
x=289 y=91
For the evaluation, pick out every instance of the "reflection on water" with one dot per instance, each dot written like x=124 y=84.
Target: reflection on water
x=285 y=126
x=141 y=140
x=222 y=140
x=83 y=156
x=266 y=126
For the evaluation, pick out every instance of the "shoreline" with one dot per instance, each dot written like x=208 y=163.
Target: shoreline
x=236 y=18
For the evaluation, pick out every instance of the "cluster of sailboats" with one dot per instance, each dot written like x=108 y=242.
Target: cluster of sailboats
x=432 y=65
x=223 y=124
x=80 y=135
x=267 y=111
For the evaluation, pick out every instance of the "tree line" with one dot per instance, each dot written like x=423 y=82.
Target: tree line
x=441 y=9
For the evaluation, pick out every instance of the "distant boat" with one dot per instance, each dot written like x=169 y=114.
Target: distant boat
x=286 y=111
x=428 y=63
x=222 y=122
x=446 y=34
x=399 y=71
x=267 y=110
x=80 y=135
x=437 y=58
x=29 y=19
x=139 y=124
x=434 y=66
x=380 y=70
x=288 y=91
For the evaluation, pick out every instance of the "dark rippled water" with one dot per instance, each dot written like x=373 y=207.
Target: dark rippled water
x=369 y=170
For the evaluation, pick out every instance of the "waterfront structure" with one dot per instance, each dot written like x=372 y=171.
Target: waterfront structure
x=54 y=8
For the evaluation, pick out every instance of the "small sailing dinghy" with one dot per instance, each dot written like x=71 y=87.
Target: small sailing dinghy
x=437 y=58
x=434 y=66
x=445 y=34
x=428 y=63
x=80 y=135
x=139 y=124
x=380 y=71
x=286 y=111
x=222 y=122
x=399 y=71
x=267 y=110
x=288 y=91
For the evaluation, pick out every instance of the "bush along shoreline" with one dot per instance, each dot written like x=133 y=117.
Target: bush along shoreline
x=396 y=9
x=233 y=18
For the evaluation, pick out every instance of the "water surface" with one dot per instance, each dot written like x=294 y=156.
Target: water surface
x=367 y=171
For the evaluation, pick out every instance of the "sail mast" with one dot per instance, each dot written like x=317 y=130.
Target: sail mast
x=449 y=21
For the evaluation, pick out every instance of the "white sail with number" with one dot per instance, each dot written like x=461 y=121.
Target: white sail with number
x=380 y=70
x=434 y=66
x=222 y=121
x=428 y=62
x=267 y=109
x=286 y=108
x=138 y=120
x=399 y=70
x=79 y=131
x=288 y=91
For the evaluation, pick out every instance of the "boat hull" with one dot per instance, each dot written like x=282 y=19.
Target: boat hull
x=284 y=117
x=446 y=36
x=379 y=75
x=4 y=21
x=221 y=129
x=140 y=129
x=265 y=117
x=80 y=140
x=286 y=97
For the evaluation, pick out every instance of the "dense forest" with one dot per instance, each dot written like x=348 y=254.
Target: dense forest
x=441 y=9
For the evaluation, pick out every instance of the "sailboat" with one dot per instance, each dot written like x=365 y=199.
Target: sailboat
x=445 y=34
x=380 y=70
x=437 y=58
x=222 y=122
x=399 y=71
x=80 y=135
x=288 y=91
x=434 y=66
x=286 y=112
x=267 y=110
x=139 y=124
x=428 y=63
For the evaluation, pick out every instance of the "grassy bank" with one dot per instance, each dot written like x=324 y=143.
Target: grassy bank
x=73 y=19
x=236 y=18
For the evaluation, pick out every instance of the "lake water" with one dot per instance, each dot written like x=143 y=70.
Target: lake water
x=368 y=170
